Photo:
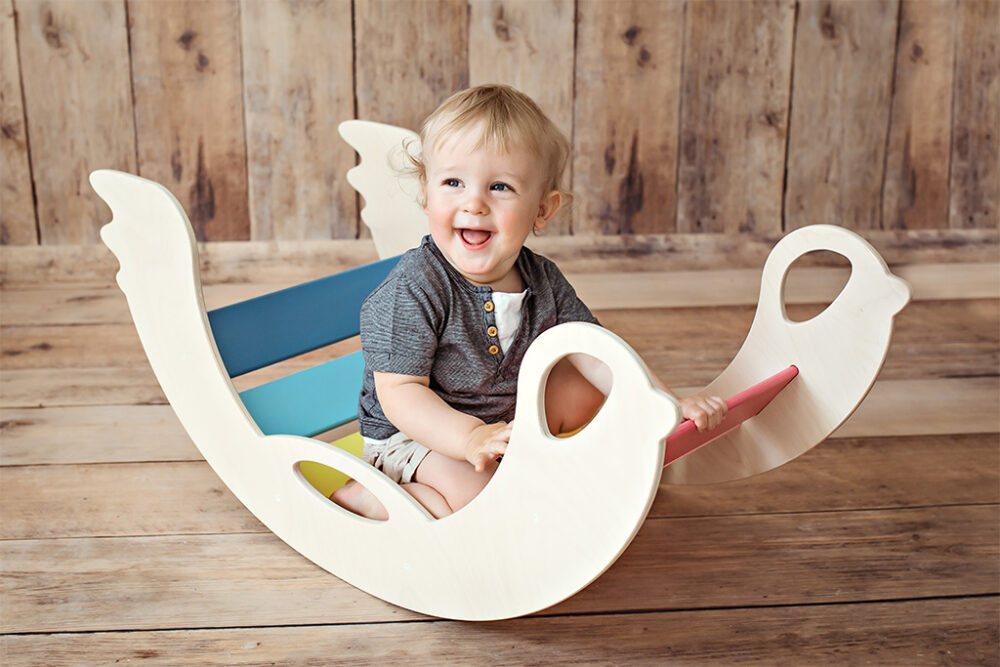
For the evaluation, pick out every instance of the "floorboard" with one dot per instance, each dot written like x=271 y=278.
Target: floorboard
x=879 y=546
x=249 y=579
x=130 y=499
x=954 y=631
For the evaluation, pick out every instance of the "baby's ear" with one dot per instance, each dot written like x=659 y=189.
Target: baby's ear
x=548 y=207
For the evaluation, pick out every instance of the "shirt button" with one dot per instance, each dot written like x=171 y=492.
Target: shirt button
x=494 y=349
x=492 y=331
x=488 y=306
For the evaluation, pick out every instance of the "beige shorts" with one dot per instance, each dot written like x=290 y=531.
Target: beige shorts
x=398 y=456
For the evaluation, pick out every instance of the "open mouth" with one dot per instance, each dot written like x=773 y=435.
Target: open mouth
x=474 y=239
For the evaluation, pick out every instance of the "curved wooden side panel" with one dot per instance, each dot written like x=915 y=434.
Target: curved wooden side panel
x=556 y=515
x=392 y=210
x=838 y=353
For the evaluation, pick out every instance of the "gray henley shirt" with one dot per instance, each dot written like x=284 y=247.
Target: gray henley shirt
x=426 y=319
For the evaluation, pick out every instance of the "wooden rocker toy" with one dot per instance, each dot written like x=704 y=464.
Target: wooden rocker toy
x=551 y=520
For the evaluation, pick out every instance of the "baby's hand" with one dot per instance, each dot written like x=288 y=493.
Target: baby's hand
x=486 y=443
x=705 y=411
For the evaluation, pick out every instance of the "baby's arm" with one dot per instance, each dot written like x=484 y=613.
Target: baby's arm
x=706 y=412
x=422 y=415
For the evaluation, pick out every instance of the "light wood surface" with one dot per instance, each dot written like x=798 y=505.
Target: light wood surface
x=48 y=501
x=734 y=120
x=289 y=262
x=17 y=208
x=627 y=83
x=74 y=61
x=866 y=548
x=253 y=579
x=390 y=45
x=539 y=547
x=836 y=144
x=838 y=352
x=915 y=194
x=195 y=142
x=975 y=147
x=882 y=112
x=508 y=39
x=883 y=633
x=297 y=191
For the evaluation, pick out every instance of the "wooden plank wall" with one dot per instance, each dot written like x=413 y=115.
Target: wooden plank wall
x=686 y=116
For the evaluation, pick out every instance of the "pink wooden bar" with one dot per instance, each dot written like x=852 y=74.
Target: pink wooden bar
x=686 y=437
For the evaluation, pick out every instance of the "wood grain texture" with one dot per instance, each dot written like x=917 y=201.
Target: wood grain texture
x=408 y=62
x=189 y=110
x=17 y=207
x=93 y=434
x=841 y=95
x=887 y=633
x=56 y=501
x=628 y=65
x=527 y=45
x=290 y=262
x=298 y=83
x=530 y=46
x=242 y=580
x=74 y=60
x=734 y=116
x=975 y=146
x=915 y=193
x=691 y=342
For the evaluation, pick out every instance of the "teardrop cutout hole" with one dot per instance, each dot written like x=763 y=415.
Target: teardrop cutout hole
x=342 y=491
x=571 y=401
x=813 y=282
x=339 y=487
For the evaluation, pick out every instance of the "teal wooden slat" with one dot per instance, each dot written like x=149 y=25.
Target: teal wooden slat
x=308 y=402
x=259 y=332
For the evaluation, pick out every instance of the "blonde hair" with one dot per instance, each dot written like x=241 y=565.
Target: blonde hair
x=509 y=118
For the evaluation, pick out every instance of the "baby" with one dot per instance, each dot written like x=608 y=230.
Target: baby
x=444 y=335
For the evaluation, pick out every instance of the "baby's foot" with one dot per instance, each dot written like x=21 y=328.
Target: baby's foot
x=356 y=498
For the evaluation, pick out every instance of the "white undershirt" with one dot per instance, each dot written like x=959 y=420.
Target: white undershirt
x=508 y=316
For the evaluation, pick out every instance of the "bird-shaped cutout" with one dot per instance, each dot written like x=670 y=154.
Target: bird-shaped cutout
x=391 y=191
x=557 y=513
x=838 y=353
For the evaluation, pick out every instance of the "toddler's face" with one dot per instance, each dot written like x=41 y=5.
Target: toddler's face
x=482 y=204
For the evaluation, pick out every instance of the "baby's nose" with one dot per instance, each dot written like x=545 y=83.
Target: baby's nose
x=474 y=204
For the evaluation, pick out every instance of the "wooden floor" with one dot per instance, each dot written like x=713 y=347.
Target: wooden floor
x=879 y=546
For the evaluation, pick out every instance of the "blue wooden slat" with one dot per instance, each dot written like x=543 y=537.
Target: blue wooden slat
x=277 y=326
x=310 y=401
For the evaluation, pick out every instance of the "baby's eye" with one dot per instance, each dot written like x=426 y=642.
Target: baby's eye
x=501 y=187
x=452 y=182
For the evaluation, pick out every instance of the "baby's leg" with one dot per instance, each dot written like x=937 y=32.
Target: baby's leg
x=356 y=498
x=570 y=400
x=457 y=481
